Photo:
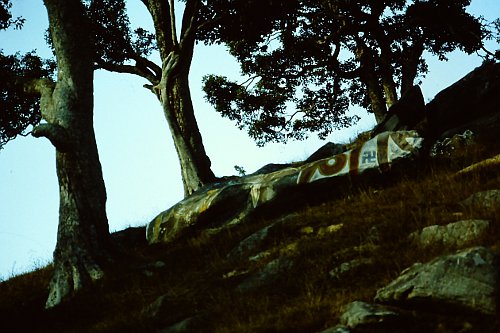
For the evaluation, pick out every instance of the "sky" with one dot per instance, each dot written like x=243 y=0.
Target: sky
x=138 y=158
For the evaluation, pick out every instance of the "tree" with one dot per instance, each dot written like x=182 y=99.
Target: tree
x=66 y=106
x=118 y=47
x=125 y=51
x=327 y=55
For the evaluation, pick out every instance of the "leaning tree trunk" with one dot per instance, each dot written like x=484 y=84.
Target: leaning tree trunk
x=173 y=89
x=179 y=112
x=83 y=240
x=375 y=96
x=409 y=69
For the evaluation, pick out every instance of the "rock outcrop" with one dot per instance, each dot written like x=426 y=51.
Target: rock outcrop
x=461 y=279
x=470 y=103
x=453 y=235
x=228 y=203
x=467 y=279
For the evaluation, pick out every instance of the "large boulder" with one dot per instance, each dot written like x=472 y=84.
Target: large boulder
x=364 y=314
x=467 y=280
x=488 y=201
x=267 y=275
x=227 y=203
x=453 y=235
x=462 y=105
x=327 y=150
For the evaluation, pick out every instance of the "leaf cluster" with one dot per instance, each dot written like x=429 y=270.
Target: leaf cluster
x=18 y=110
x=6 y=19
x=310 y=63
x=114 y=41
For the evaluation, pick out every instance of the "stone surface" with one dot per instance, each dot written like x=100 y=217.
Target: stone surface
x=490 y=163
x=364 y=314
x=486 y=200
x=451 y=235
x=336 y=329
x=268 y=274
x=188 y=325
x=250 y=244
x=346 y=267
x=327 y=150
x=472 y=97
x=466 y=280
x=271 y=167
x=450 y=146
x=229 y=202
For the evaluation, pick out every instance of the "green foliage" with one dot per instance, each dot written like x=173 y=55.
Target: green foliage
x=241 y=171
x=114 y=40
x=18 y=110
x=6 y=19
x=318 y=58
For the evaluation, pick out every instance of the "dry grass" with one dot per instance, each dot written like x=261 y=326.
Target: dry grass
x=371 y=220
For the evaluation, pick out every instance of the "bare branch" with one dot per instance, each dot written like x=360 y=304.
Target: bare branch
x=147 y=64
x=189 y=27
x=144 y=72
x=336 y=65
x=173 y=28
x=248 y=82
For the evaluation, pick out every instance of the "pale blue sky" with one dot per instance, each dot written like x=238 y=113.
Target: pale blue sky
x=139 y=162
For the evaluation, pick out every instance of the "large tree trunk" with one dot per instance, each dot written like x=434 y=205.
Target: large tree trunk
x=179 y=112
x=173 y=90
x=376 y=98
x=411 y=58
x=370 y=79
x=83 y=241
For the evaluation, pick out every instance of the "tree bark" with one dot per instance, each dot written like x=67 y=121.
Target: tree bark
x=83 y=241
x=179 y=112
x=174 y=94
x=370 y=79
x=376 y=97
x=411 y=55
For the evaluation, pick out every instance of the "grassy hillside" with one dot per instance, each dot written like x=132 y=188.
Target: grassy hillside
x=369 y=221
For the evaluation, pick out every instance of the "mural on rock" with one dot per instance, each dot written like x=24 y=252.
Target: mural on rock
x=232 y=200
x=378 y=152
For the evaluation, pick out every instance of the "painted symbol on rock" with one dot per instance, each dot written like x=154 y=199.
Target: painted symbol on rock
x=376 y=153
x=369 y=157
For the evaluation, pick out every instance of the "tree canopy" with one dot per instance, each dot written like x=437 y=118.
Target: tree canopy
x=325 y=56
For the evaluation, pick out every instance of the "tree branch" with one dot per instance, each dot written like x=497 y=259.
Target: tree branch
x=173 y=28
x=340 y=72
x=147 y=64
x=189 y=27
x=144 y=72
x=57 y=135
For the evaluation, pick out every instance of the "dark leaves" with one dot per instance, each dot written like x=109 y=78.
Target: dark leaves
x=6 y=19
x=312 y=60
x=114 y=40
x=19 y=111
